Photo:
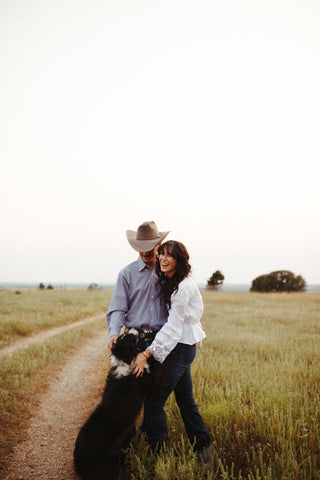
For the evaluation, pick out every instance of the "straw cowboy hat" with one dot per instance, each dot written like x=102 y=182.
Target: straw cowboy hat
x=146 y=237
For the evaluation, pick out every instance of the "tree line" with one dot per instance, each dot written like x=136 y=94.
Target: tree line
x=278 y=281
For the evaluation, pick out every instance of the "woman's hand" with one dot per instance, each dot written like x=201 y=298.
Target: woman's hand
x=139 y=364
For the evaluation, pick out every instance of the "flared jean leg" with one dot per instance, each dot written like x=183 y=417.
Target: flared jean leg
x=179 y=380
x=197 y=433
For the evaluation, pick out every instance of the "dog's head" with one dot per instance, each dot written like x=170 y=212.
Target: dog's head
x=125 y=348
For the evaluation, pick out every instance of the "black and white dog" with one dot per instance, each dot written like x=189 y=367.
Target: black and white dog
x=96 y=453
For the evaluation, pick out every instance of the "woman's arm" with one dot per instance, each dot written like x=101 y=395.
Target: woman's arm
x=171 y=332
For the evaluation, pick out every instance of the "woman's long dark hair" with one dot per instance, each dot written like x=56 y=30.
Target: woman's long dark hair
x=170 y=285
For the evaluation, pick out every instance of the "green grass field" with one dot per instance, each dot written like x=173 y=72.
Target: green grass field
x=256 y=382
x=27 y=312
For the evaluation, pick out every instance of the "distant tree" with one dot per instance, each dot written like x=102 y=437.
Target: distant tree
x=41 y=286
x=93 y=286
x=216 y=280
x=49 y=287
x=279 y=281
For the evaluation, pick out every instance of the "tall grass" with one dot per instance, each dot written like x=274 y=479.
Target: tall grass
x=256 y=381
x=34 y=310
x=257 y=385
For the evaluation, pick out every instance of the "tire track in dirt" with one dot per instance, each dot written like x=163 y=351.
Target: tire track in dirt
x=47 y=454
x=42 y=336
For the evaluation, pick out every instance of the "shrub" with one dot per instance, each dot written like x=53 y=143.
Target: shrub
x=215 y=280
x=279 y=281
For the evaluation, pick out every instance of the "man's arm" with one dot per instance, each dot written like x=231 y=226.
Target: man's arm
x=118 y=307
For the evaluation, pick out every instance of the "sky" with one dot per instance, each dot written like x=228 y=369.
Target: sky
x=203 y=116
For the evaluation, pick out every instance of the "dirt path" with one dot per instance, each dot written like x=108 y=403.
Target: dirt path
x=41 y=337
x=47 y=454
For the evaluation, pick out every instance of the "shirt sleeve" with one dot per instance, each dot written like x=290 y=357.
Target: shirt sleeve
x=171 y=333
x=119 y=305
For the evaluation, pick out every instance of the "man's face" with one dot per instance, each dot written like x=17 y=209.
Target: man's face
x=150 y=257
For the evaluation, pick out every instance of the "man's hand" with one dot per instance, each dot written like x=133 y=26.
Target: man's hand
x=112 y=341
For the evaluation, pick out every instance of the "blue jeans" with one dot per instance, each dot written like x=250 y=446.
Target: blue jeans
x=178 y=380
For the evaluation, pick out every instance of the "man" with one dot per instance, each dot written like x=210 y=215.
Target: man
x=135 y=302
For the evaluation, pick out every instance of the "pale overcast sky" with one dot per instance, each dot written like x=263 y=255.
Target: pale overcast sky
x=200 y=115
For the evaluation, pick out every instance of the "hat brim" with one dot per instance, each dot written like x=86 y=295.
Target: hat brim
x=144 y=245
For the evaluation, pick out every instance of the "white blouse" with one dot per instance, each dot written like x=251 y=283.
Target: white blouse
x=183 y=325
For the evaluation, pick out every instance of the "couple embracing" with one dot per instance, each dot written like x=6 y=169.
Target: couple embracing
x=156 y=296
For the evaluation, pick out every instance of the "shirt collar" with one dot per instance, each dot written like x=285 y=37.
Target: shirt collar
x=141 y=264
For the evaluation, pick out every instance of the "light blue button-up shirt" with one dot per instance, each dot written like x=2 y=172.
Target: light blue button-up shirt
x=135 y=302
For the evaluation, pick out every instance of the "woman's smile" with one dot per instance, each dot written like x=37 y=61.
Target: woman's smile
x=168 y=264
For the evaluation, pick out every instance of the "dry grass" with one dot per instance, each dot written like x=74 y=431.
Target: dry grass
x=25 y=375
x=257 y=385
x=32 y=311
x=256 y=381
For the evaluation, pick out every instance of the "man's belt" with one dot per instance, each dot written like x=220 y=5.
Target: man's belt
x=145 y=334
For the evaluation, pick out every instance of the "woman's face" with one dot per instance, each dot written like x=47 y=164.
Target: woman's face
x=168 y=264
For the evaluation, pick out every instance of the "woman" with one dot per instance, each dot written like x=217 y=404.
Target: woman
x=175 y=346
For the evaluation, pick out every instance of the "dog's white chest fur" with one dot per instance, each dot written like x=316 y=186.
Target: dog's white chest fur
x=123 y=369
